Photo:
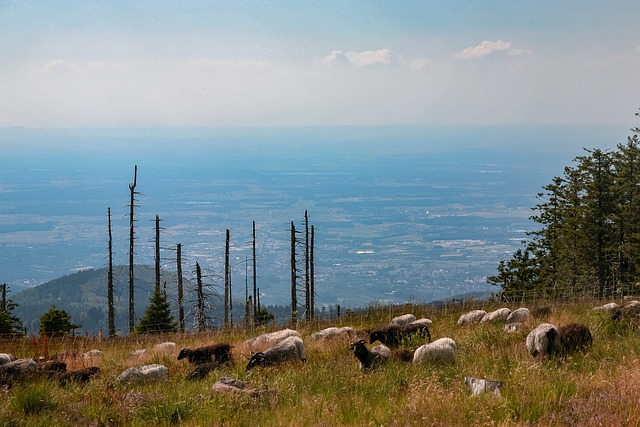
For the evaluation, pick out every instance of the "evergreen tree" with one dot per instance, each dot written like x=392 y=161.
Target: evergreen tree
x=157 y=317
x=9 y=324
x=56 y=323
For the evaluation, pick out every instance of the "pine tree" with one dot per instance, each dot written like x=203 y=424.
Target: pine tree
x=157 y=317
x=9 y=324
x=56 y=323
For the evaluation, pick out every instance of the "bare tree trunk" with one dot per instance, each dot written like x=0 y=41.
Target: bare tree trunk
x=294 y=297
x=157 y=253
x=4 y=297
x=180 y=295
x=313 y=281
x=307 y=301
x=132 y=189
x=110 y=308
x=201 y=320
x=255 y=297
x=226 y=281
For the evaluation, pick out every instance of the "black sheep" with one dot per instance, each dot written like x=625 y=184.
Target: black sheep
x=575 y=337
x=201 y=371
x=81 y=376
x=392 y=334
x=368 y=359
x=220 y=353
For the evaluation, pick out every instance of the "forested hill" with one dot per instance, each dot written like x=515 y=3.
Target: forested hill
x=83 y=295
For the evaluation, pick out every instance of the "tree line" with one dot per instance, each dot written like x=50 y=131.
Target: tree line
x=588 y=240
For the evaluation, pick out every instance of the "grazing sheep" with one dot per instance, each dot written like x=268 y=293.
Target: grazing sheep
x=629 y=311
x=92 y=356
x=6 y=358
x=544 y=340
x=52 y=365
x=404 y=319
x=478 y=386
x=143 y=374
x=269 y=339
x=334 y=333
x=496 y=315
x=392 y=334
x=202 y=371
x=18 y=371
x=220 y=353
x=370 y=359
x=291 y=348
x=81 y=376
x=514 y=327
x=606 y=307
x=472 y=317
x=231 y=385
x=522 y=314
x=423 y=321
x=575 y=337
x=441 y=350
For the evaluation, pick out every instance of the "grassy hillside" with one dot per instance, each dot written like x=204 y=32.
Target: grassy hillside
x=600 y=387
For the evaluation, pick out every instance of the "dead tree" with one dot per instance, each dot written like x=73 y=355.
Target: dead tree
x=294 y=276
x=255 y=298
x=132 y=189
x=180 y=291
x=307 y=284
x=227 y=281
x=110 y=303
x=312 y=273
x=157 y=256
x=201 y=319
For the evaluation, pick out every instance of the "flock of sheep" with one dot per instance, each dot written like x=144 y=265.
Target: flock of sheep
x=544 y=340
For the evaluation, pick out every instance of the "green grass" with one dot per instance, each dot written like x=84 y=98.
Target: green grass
x=601 y=387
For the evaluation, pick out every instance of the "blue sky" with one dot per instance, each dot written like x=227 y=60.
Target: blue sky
x=316 y=63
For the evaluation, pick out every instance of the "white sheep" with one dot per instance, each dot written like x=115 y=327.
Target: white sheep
x=422 y=322
x=496 y=315
x=471 y=317
x=441 y=350
x=606 y=307
x=544 y=340
x=478 y=386
x=522 y=314
x=269 y=339
x=289 y=349
x=143 y=374
x=332 y=333
x=404 y=319
x=6 y=358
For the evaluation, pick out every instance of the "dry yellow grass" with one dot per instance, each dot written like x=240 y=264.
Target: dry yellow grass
x=601 y=387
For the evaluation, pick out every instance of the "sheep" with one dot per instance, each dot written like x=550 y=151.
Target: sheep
x=220 y=352
x=334 y=333
x=143 y=374
x=629 y=311
x=163 y=349
x=514 y=327
x=471 y=317
x=17 y=371
x=92 y=355
x=544 y=340
x=392 y=333
x=606 y=307
x=291 y=348
x=370 y=359
x=496 y=315
x=478 y=386
x=269 y=339
x=404 y=319
x=575 y=337
x=81 y=376
x=441 y=350
x=232 y=385
x=6 y=358
x=201 y=371
x=522 y=314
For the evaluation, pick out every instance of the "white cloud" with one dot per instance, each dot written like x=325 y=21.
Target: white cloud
x=360 y=59
x=486 y=48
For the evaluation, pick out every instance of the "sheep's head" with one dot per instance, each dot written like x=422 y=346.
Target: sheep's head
x=183 y=353
x=257 y=359
x=359 y=348
x=376 y=335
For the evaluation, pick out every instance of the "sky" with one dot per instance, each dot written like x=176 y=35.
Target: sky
x=70 y=64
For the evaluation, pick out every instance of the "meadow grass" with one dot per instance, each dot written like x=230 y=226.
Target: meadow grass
x=600 y=387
